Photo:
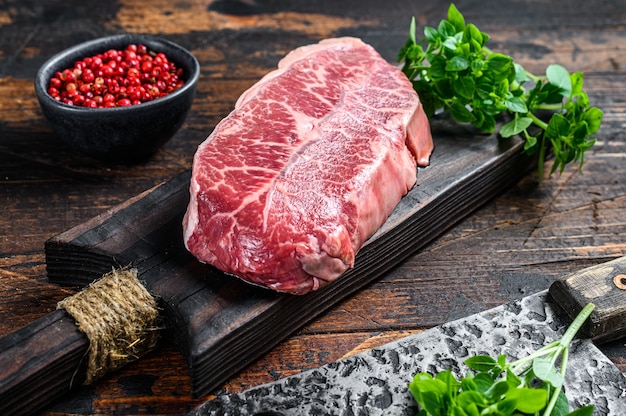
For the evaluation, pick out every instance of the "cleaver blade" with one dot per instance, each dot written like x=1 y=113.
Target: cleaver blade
x=376 y=382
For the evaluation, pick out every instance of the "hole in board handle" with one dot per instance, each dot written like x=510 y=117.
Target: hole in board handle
x=620 y=281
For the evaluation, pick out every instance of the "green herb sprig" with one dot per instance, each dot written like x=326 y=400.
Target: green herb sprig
x=452 y=69
x=529 y=386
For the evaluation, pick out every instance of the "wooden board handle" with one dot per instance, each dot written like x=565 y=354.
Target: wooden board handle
x=603 y=285
x=40 y=362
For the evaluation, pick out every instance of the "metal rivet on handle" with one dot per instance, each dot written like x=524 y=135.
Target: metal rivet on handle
x=620 y=281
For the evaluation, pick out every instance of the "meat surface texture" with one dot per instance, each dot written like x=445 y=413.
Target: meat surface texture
x=309 y=164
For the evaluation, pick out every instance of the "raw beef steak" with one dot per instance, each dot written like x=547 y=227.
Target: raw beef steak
x=308 y=165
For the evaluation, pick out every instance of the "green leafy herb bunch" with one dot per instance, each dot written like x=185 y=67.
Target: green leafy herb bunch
x=452 y=69
x=532 y=385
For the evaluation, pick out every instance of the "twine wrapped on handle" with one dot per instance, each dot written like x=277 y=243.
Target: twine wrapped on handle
x=119 y=317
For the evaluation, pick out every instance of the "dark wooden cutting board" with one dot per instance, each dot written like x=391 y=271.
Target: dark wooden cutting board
x=222 y=323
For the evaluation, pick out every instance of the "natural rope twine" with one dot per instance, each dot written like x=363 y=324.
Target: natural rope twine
x=119 y=317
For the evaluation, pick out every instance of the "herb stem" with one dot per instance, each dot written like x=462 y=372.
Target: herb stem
x=555 y=394
x=542 y=157
x=539 y=122
x=575 y=326
x=550 y=107
x=533 y=77
x=519 y=365
x=551 y=404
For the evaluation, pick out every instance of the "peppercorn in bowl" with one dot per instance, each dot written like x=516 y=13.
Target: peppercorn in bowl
x=118 y=98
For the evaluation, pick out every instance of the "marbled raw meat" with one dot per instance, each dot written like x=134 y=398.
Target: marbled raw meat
x=308 y=165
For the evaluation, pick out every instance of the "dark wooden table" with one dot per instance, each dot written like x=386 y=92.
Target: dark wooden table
x=513 y=246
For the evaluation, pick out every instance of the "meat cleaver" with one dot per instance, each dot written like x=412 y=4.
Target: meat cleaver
x=376 y=382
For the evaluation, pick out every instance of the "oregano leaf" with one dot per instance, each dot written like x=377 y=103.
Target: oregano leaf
x=558 y=76
x=456 y=18
x=528 y=400
x=515 y=127
x=483 y=382
x=582 y=411
x=457 y=64
x=593 y=117
x=561 y=407
x=481 y=362
x=558 y=126
x=542 y=367
x=446 y=29
x=516 y=105
x=461 y=113
x=464 y=86
x=431 y=34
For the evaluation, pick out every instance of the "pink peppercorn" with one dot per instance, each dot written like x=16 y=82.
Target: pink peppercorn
x=116 y=78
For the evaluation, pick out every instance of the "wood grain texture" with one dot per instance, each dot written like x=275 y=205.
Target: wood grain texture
x=40 y=362
x=516 y=244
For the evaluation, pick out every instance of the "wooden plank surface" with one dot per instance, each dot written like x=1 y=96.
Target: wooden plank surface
x=514 y=245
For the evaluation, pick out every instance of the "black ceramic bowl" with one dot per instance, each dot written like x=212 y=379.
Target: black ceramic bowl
x=121 y=134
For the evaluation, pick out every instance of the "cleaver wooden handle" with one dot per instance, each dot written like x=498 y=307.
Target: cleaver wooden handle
x=604 y=285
